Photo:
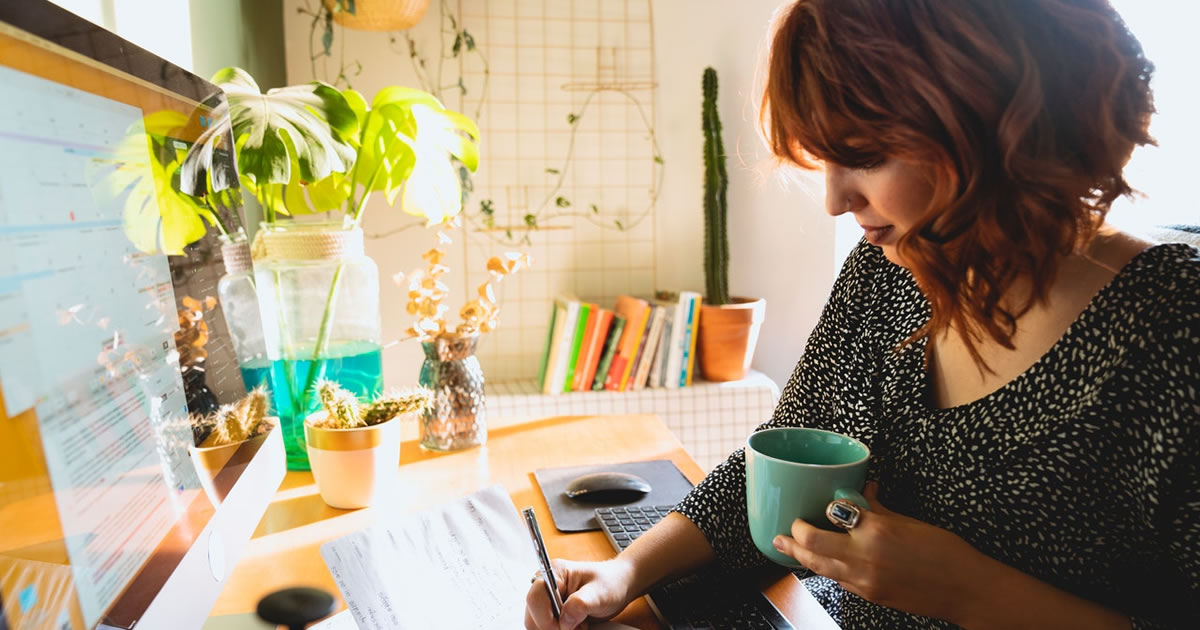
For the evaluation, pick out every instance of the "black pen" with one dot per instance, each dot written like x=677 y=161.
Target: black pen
x=539 y=545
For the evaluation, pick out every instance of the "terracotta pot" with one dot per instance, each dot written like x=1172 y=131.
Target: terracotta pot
x=353 y=468
x=728 y=334
x=381 y=15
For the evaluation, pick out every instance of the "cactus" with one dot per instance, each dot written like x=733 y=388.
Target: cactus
x=397 y=403
x=716 y=241
x=344 y=410
x=240 y=420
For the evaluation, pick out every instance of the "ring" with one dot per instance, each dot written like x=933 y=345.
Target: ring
x=536 y=575
x=844 y=513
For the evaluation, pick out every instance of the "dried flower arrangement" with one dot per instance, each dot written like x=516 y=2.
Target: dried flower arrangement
x=236 y=421
x=426 y=292
x=343 y=411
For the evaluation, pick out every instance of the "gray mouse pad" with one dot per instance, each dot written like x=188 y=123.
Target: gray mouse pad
x=668 y=487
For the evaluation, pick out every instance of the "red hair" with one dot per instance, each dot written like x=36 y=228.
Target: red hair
x=1025 y=111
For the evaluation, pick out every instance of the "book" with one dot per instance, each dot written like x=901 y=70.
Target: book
x=640 y=357
x=558 y=323
x=635 y=311
x=658 y=368
x=690 y=308
x=693 y=334
x=563 y=344
x=585 y=314
x=679 y=329
x=649 y=347
x=549 y=346
x=610 y=350
x=594 y=348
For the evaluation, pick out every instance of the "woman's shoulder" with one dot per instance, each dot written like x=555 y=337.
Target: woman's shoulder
x=1164 y=281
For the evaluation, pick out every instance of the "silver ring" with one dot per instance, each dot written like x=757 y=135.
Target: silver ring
x=844 y=513
x=536 y=576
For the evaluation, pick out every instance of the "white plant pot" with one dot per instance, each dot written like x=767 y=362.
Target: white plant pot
x=354 y=468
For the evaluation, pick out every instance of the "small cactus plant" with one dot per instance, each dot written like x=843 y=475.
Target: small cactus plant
x=343 y=411
x=239 y=420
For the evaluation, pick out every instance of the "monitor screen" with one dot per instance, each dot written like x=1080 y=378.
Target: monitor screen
x=112 y=336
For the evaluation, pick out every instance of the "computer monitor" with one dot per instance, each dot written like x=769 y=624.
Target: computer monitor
x=107 y=343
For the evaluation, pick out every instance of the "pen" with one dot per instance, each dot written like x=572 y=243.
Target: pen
x=539 y=545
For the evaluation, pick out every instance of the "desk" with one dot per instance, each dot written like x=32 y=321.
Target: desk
x=285 y=550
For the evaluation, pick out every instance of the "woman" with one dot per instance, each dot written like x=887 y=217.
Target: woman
x=1027 y=377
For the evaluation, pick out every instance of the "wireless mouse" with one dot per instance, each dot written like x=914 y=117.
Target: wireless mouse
x=608 y=487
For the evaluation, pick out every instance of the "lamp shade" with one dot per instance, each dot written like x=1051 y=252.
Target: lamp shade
x=381 y=15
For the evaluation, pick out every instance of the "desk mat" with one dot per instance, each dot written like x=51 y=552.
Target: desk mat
x=668 y=487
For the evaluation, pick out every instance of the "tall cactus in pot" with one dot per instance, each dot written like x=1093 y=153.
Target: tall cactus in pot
x=716 y=242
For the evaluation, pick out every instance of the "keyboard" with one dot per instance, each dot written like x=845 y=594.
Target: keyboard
x=694 y=602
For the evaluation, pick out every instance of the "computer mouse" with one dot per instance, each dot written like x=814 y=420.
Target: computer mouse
x=608 y=487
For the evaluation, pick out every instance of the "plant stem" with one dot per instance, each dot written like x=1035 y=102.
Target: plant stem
x=323 y=334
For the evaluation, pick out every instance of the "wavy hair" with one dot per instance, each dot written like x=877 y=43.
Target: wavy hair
x=1025 y=112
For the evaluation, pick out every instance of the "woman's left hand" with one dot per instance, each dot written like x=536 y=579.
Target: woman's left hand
x=892 y=560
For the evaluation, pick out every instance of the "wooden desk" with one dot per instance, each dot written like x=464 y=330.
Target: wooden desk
x=285 y=550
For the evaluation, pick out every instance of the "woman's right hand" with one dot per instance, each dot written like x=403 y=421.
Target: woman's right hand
x=597 y=590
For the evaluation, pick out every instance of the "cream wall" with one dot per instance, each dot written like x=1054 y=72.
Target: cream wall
x=781 y=241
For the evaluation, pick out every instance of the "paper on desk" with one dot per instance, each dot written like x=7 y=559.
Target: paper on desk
x=465 y=565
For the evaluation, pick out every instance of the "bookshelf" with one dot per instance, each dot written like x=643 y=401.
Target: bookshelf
x=710 y=419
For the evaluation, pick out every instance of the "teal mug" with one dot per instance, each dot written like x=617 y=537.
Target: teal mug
x=794 y=473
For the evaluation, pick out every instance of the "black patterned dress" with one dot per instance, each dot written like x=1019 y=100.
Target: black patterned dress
x=1084 y=471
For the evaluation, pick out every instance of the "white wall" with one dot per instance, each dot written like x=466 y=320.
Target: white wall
x=780 y=239
x=161 y=26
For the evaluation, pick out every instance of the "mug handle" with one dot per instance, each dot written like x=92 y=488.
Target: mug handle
x=854 y=496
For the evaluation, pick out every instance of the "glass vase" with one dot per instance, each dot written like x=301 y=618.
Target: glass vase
x=239 y=305
x=458 y=418
x=318 y=294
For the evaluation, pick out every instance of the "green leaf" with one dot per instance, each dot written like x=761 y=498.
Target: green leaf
x=658 y=159
x=470 y=41
x=458 y=44
x=619 y=225
x=327 y=35
x=552 y=171
x=487 y=207
x=571 y=118
x=531 y=220
x=595 y=210
x=562 y=202
x=315 y=118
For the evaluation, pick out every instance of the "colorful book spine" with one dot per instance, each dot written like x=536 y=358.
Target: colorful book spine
x=556 y=333
x=563 y=346
x=694 y=333
x=585 y=313
x=640 y=356
x=616 y=331
x=635 y=311
x=678 y=337
x=549 y=346
x=658 y=370
x=650 y=347
x=688 y=330
x=595 y=348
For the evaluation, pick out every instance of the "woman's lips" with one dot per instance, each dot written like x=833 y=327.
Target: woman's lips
x=876 y=235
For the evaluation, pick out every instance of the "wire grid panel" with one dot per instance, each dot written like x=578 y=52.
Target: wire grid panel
x=711 y=420
x=569 y=165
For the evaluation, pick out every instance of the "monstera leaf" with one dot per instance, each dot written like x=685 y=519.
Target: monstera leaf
x=142 y=176
x=290 y=136
x=405 y=146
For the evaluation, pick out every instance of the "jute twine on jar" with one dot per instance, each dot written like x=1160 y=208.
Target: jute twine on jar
x=308 y=245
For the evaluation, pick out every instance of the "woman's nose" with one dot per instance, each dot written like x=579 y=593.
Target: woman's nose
x=839 y=196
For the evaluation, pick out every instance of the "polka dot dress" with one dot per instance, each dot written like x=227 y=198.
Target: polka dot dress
x=1084 y=471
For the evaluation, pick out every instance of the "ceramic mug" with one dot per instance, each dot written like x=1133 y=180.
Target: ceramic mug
x=794 y=473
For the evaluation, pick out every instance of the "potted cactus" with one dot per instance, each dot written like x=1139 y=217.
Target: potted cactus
x=729 y=326
x=354 y=448
x=223 y=432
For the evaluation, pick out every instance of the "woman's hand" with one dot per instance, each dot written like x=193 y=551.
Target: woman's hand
x=892 y=560
x=596 y=590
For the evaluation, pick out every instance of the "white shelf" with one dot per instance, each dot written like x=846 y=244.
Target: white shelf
x=710 y=419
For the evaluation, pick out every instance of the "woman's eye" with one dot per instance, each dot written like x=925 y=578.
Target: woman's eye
x=869 y=165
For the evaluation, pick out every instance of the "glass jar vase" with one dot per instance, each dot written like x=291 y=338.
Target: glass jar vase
x=239 y=305
x=318 y=294
x=457 y=419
